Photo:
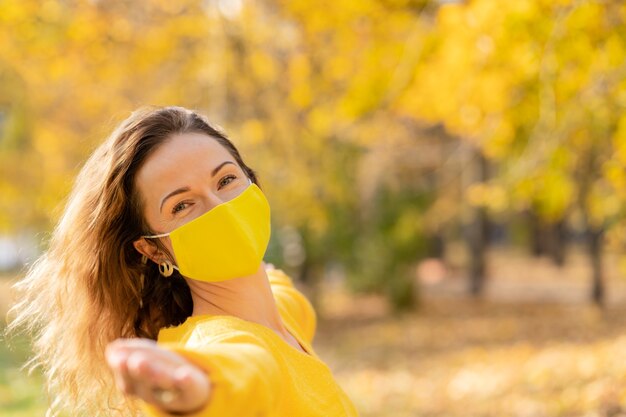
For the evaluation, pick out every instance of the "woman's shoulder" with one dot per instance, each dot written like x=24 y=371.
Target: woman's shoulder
x=278 y=276
x=204 y=329
x=292 y=304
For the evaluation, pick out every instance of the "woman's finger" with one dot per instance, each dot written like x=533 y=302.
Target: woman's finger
x=150 y=371
x=194 y=384
x=127 y=346
x=117 y=361
x=176 y=389
x=130 y=360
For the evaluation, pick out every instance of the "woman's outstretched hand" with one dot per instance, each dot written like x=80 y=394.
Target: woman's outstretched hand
x=158 y=376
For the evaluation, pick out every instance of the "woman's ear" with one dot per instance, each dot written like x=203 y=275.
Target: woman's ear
x=147 y=249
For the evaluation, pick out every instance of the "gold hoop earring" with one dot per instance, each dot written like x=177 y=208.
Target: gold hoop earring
x=166 y=269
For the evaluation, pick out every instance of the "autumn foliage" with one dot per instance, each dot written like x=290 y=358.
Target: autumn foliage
x=380 y=129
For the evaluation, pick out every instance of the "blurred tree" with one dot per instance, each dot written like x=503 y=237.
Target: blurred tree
x=537 y=85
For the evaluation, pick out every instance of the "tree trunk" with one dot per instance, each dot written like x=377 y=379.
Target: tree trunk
x=594 y=245
x=547 y=238
x=477 y=242
x=478 y=231
x=558 y=242
x=537 y=241
x=437 y=247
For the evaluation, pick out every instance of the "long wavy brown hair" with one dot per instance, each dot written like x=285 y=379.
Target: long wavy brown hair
x=91 y=286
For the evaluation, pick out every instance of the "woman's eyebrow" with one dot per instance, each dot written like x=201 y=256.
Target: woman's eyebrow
x=172 y=194
x=185 y=189
x=215 y=171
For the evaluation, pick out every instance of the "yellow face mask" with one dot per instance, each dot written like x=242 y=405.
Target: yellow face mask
x=226 y=242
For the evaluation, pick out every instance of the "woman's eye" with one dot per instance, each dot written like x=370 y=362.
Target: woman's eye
x=226 y=180
x=179 y=207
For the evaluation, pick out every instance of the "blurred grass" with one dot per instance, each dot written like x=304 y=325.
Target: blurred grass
x=21 y=395
x=501 y=355
x=461 y=357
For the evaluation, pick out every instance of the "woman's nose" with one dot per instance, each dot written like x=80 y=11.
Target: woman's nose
x=212 y=199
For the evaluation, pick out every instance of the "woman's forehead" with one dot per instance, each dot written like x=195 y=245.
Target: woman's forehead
x=182 y=158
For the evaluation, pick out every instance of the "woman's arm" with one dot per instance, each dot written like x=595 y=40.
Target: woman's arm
x=233 y=376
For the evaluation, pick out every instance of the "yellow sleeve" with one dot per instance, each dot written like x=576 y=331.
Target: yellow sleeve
x=292 y=302
x=245 y=377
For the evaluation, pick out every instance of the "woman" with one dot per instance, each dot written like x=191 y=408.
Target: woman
x=154 y=283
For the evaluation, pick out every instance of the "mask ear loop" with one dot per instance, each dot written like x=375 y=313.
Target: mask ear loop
x=155 y=236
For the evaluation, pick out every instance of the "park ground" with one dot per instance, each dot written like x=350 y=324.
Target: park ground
x=531 y=347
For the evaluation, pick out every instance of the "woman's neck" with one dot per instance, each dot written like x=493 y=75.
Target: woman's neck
x=249 y=298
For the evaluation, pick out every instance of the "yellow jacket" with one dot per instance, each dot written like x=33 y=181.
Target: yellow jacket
x=253 y=371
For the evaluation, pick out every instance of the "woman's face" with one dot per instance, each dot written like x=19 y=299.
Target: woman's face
x=184 y=178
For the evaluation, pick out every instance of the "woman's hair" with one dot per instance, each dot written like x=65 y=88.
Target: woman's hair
x=91 y=286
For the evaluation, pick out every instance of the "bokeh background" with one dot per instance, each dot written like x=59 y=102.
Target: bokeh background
x=447 y=178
